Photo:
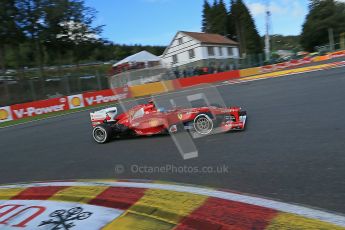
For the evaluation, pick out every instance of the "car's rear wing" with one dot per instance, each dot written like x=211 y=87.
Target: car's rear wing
x=104 y=115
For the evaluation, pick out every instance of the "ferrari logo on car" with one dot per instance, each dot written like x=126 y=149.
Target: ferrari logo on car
x=179 y=116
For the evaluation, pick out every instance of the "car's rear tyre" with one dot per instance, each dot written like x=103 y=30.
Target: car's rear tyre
x=101 y=133
x=203 y=124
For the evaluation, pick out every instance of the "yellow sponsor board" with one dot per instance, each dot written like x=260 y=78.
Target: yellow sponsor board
x=5 y=114
x=151 y=88
x=249 y=72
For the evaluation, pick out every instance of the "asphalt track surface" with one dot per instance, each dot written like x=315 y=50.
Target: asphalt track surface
x=293 y=149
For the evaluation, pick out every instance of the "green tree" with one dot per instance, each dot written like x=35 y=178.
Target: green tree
x=55 y=32
x=281 y=42
x=246 y=32
x=9 y=31
x=220 y=18
x=206 y=19
x=322 y=16
x=70 y=28
x=32 y=25
x=231 y=22
x=314 y=3
x=215 y=18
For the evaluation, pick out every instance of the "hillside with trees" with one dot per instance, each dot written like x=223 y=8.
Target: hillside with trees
x=37 y=33
x=324 y=15
x=280 y=42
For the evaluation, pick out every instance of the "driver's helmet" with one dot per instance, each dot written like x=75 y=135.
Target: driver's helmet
x=159 y=109
x=151 y=102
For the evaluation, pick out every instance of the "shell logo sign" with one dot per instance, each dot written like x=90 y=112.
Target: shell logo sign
x=5 y=114
x=76 y=101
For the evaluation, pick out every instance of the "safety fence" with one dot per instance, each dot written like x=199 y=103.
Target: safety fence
x=18 y=89
x=77 y=101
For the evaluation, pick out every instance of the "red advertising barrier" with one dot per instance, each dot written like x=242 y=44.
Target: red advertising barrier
x=105 y=96
x=208 y=78
x=31 y=109
x=35 y=108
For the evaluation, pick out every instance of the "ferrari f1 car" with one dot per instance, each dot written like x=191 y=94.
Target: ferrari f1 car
x=148 y=120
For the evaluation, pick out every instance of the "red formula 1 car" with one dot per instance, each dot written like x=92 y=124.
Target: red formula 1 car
x=147 y=120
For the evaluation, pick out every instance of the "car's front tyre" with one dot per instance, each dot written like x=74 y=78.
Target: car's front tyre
x=101 y=133
x=203 y=124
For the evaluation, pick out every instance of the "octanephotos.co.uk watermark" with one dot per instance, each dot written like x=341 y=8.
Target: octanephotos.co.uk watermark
x=172 y=169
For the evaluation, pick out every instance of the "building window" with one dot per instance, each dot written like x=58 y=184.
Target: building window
x=180 y=41
x=230 y=51
x=191 y=53
x=174 y=57
x=210 y=51
x=220 y=51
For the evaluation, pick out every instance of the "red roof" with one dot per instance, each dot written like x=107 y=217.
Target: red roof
x=210 y=38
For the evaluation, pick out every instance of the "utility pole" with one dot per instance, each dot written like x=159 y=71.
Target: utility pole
x=342 y=41
x=331 y=39
x=267 y=36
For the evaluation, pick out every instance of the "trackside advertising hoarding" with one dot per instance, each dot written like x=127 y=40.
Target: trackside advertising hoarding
x=105 y=96
x=35 y=108
x=5 y=114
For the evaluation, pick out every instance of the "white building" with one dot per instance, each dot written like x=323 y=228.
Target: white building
x=200 y=49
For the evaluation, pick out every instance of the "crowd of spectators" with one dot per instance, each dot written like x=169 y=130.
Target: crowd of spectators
x=196 y=71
